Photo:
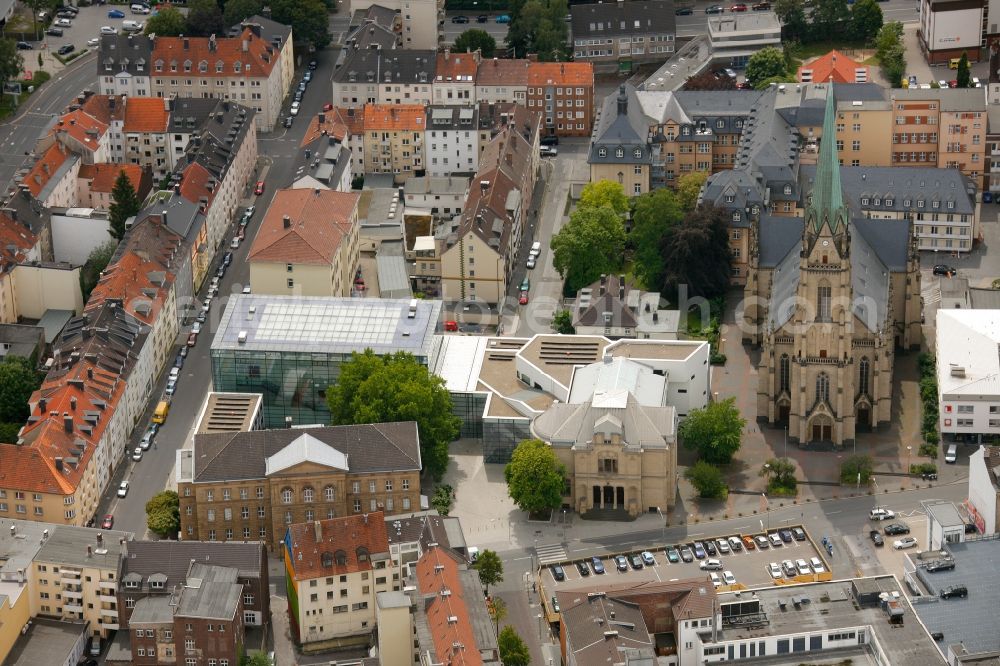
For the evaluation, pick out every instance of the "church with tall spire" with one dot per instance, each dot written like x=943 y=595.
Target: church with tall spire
x=830 y=299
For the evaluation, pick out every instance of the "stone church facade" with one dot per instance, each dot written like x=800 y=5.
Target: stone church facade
x=830 y=299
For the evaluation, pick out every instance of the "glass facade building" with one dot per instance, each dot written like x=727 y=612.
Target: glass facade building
x=290 y=348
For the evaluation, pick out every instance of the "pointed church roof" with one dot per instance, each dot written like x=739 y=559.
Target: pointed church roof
x=827 y=195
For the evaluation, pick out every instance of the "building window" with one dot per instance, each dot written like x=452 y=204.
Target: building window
x=784 y=373
x=286 y=496
x=823 y=387
x=308 y=495
x=329 y=494
x=864 y=373
x=823 y=310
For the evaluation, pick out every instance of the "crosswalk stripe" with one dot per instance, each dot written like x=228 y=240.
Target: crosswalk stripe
x=550 y=553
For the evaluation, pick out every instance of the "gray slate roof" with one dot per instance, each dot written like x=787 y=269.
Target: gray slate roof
x=413 y=66
x=622 y=19
x=734 y=191
x=778 y=235
x=173 y=559
x=449 y=118
x=565 y=424
x=903 y=187
x=154 y=609
x=949 y=99
x=124 y=53
x=210 y=592
x=622 y=125
x=373 y=447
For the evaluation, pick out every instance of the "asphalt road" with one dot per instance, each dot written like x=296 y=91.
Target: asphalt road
x=697 y=23
x=279 y=164
x=451 y=31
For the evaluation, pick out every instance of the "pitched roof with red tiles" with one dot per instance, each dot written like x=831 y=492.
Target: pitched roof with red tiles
x=45 y=167
x=139 y=282
x=105 y=108
x=395 y=117
x=14 y=235
x=346 y=544
x=102 y=176
x=146 y=114
x=338 y=123
x=195 y=183
x=561 y=73
x=82 y=126
x=257 y=61
x=501 y=71
x=835 y=65
x=438 y=571
x=457 y=67
x=319 y=221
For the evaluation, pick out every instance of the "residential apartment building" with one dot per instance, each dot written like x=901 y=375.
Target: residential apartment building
x=617 y=37
x=374 y=76
x=95 y=183
x=123 y=65
x=236 y=486
x=451 y=142
x=984 y=489
x=375 y=27
x=421 y=20
x=307 y=244
x=443 y=197
x=343 y=127
x=52 y=180
x=969 y=409
x=335 y=569
x=734 y=37
x=616 y=308
x=949 y=29
x=502 y=80
x=394 y=139
x=565 y=92
x=478 y=257
x=833 y=67
x=455 y=77
x=254 y=68
x=992 y=179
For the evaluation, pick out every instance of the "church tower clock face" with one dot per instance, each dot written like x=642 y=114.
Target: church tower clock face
x=825 y=243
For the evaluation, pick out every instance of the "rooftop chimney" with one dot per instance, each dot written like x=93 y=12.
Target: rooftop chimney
x=43 y=405
x=72 y=404
x=286 y=222
x=246 y=45
x=67 y=422
x=187 y=43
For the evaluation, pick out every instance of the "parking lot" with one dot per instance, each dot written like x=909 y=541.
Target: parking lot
x=749 y=566
x=84 y=28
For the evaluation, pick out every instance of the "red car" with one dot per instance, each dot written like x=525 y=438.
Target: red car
x=328 y=107
x=451 y=326
x=738 y=8
x=523 y=300
x=259 y=189
x=953 y=83
x=108 y=522
x=192 y=339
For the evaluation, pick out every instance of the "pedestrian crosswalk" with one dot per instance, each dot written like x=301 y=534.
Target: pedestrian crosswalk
x=931 y=294
x=550 y=554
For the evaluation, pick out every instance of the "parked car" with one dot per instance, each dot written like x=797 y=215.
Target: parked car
x=523 y=298
x=122 y=489
x=64 y=22
x=147 y=441
x=714 y=9
x=137 y=454
x=116 y=13
x=647 y=558
x=313 y=63
x=788 y=567
x=548 y=151
x=686 y=554
x=598 y=566
x=761 y=6
x=192 y=339
x=683 y=11
x=723 y=546
x=503 y=18
x=879 y=513
x=672 y=555
x=54 y=32
x=227 y=258
x=748 y=542
x=736 y=544
x=108 y=30
x=558 y=573
x=905 y=542
x=93 y=41
x=24 y=46
x=876 y=538
x=728 y=578
x=895 y=529
x=817 y=565
x=803 y=567
x=786 y=535
x=482 y=18
x=621 y=563
x=66 y=49
x=108 y=522
x=798 y=534
x=582 y=567
x=460 y=19
x=699 y=550
x=940 y=565
x=716 y=581
x=775 y=540
x=328 y=107
x=549 y=140
x=259 y=188
x=762 y=542
x=738 y=8
x=710 y=565
x=942 y=269
x=635 y=561
x=555 y=605
x=710 y=548
x=774 y=570
x=951 y=454
x=530 y=263
x=954 y=591
x=294 y=109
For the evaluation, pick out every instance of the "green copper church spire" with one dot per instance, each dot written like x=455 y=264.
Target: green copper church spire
x=827 y=204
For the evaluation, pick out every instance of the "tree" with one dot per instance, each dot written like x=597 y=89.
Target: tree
x=653 y=215
x=204 y=18
x=830 y=18
x=124 y=204
x=238 y=10
x=36 y=6
x=604 y=193
x=168 y=22
x=765 y=64
x=497 y=609
x=689 y=187
x=866 y=20
x=397 y=387
x=308 y=18
x=97 y=261
x=856 y=470
x=591 y=244
x=534 y=476
x=890 y=52
x=538 y=26
x=163 y=515
x=475 y=39
x=18 y=380
x=442 y=499
x=963 y=76
x=714 y=431
x=490 y=569
x=562 y=322
x=696 y=253
x=709 y=81
x=256 y=659
x=707 y=480
x=780 y=475
x=513 y=651
x=11 y=62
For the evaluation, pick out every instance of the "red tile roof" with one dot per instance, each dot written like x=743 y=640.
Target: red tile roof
x=457 y=66
x=257 y=61
x=131 y=279
x=343 y=540
x=102 y=176
x=834 y=65
x=195 y=184
x=338 y=123
x=395 y=117
x=500 y=71
x=561 y=73
x=83 y=127
x=16 y=235
x=45 y=167
x=438 y=571
x=319 y=221
x=146 y=114
x=104 y=107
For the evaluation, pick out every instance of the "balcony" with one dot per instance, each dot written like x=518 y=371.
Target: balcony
x=72 y=608
x=108 y=585
x=110 y=626
x=109 y=612
x=108 y=598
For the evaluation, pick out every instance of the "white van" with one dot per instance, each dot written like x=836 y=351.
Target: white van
x=952 y=454
x=536 y=249
x=132 y=26
x=139 y=9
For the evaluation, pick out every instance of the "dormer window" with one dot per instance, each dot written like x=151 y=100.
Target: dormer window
x=686 y=131
x=736 y=216
x=187 y=65
x=864 y=201
x=935 y=204
x=739 y=124
x=132 y=584
x=637 y=153
x=920 y=203
x=602 y=152
x=720 y=123
x=951 y=205
x=878 y=202
x=203 y=66
x=906 y=203
x=888 y=202
x=730 y=198
x=788 y=190
x=219 y=66
x=755 y=209
x=237 y=66
x=158 y=65
x=173 y=65
x=620 y=153
x=156 y=584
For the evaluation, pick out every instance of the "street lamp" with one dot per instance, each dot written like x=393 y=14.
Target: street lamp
x=767 y=508
x=663 y=525
x=908 y=450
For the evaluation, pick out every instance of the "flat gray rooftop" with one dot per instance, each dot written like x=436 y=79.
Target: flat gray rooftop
x=831 y=606
x=326 y=325
x=68 y=546
x=972 y=621
x=46 y=642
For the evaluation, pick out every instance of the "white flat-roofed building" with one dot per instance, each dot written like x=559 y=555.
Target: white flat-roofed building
x=736 y=37
x=968 y=374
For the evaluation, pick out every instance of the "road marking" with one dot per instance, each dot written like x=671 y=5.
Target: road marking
x=695 y=534
x=832 y=513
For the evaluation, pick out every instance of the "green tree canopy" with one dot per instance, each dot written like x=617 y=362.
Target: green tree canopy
x=204 y=18
x=18 y=380
x=855 y=468
x=124 y=204
x=714 y=432
x=490 y=569
x=707 y=480
x=696 y=253
x=497 y=609
x=397 y=387
x=534 y=476
x=653 y=215
x=163 y=514
x=97 y=261
x=780 y=474
x=689 y=187
x=890 y=52
x=562 y=322
x=513 y=650
x=539 y=27
x=592 y=243
x=474 y=39
x=765 y=64
x=168 y=22
x=830 y=18
x=11 y=62
x=793 y=18
x=604 y=193
x=308 y=18
x=866 y=20
x=255 y=659
x=963 y=76
x=238 y=10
